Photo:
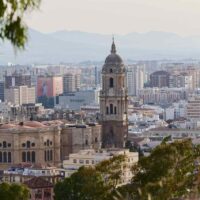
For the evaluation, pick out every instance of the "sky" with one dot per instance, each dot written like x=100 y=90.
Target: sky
x=117 y=16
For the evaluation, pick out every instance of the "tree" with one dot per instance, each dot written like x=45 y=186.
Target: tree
x=92 y=183
x=13 y=192
x=87 y=183
x=12 y=26
x=168 y=173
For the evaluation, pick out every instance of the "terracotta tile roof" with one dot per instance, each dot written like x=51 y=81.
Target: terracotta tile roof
x=38 y=182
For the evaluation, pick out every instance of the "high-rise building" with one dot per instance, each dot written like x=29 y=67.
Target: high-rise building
x=114 y=101
x=193 y=108
x=159 y=79
x=71 y=82
x=20 y=95
x=135 y=79
x=182 y=80
x=2 y=88
x=49 y=86
x=17 y=80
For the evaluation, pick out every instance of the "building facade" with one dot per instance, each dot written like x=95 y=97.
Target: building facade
x=75 y=100
x=135 y=79
x=20 y=95
x=71 y=82
x=91 y=157
x=159 y=79
x=17 y=80
x=114 y=101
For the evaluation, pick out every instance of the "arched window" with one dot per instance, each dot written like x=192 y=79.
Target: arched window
x=111 y=70
x=47 y=142
x=4 y=144
x=45 y=155
x=5 y=157
x=107 y=110
x=111 y=82
x=33 y=156
x=9 y=157
x=28 y=156
x=1 y=157
x=48 y=155
x=115 y=110
x=51 y=155
x=23 y=156
x=96 y=139
x=111 y=109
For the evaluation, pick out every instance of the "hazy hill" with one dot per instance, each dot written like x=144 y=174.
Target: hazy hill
x=76 y=46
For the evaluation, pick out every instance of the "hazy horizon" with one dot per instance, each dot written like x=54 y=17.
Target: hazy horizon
x=117 y=16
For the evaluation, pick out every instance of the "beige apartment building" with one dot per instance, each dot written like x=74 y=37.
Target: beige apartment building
x=92 y=157
x=20 y=95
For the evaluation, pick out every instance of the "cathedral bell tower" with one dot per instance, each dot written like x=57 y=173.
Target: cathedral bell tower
x=114 y=101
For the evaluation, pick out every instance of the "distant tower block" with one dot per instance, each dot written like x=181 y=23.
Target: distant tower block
x=114 y=101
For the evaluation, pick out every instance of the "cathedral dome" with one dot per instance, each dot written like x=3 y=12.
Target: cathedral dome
x=113 y=58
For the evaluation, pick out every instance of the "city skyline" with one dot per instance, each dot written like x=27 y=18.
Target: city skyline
x=117 y=17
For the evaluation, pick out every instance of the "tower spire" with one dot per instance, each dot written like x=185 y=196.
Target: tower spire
x=113 y=47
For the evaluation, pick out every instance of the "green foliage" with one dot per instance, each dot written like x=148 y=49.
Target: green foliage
x=87 y=183
x=92 y=183
x=12 y=26
x=13 y=192
x=167 y=173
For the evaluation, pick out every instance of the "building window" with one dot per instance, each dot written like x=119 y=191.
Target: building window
x=9 y=144
x=28 y=144
x=96 y=139
x=1 y=157
x=48 y=155
x=4 y=144
x=111 y=109
x=81 y=161
x=28 y=156
x=33 y=156
x=23 y=156
x=107 y=110
x=23 y=145
x=5 y=157
x=87 y=162
x=111 y=70
x=111 y=83
x=33 y=144
x=86 y=142
x=51 y=155
x=45 y=155
x=9 y=157
x=115 y=110
x=74 y=161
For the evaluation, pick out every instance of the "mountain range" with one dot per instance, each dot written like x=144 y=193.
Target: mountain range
x=76 y=46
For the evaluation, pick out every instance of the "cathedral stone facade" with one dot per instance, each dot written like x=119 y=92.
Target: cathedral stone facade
x=114 y=101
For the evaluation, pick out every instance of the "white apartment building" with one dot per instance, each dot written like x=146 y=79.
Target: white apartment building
x=162 y=96
x=91 y=158
x=176 y=110
x=193 y=111
x=135 y=79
